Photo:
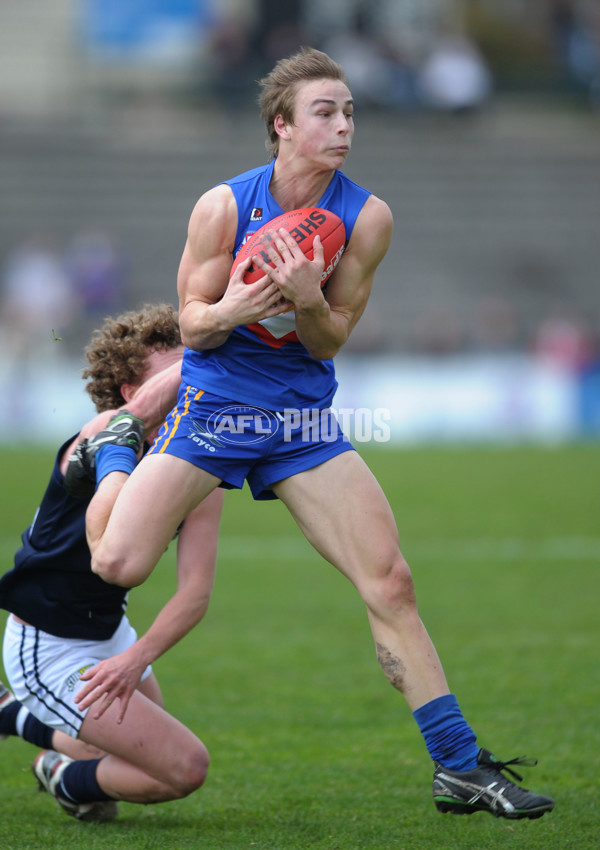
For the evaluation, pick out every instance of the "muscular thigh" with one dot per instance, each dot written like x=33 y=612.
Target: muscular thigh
x=344 y=513
x=148 y=737
x=158 y=495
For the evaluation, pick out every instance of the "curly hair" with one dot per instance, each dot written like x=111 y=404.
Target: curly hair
x=118 y=350
x=278 y=88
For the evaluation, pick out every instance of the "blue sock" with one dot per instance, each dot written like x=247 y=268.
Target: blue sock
x=448 y=737
x=111 y=458
x=79 y=784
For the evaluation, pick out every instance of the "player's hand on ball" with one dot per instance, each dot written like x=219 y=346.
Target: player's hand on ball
x=244 y=304
x=297 y=276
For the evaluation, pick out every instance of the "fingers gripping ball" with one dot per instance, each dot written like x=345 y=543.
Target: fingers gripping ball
x=303 y=225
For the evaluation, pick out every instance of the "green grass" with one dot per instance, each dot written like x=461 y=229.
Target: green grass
x=311 y=749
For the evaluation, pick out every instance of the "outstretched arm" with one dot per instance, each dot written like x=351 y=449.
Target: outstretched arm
x=118 y=677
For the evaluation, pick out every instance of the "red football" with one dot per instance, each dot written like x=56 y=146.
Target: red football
x=303 y=225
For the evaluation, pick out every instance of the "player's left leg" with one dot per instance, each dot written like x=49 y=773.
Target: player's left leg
x=344 y=513
x=73 y=747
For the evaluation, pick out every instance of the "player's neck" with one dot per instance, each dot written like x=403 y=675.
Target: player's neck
x=293 y=190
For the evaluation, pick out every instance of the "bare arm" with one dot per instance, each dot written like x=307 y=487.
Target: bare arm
x=118 y=677
x=211 y=306
x=150 y=403
x=324 y=322
x=154 y=399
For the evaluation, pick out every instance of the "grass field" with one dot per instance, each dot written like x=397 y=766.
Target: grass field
x=311 y=748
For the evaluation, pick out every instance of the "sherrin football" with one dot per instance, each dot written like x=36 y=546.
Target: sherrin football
x=303 y=225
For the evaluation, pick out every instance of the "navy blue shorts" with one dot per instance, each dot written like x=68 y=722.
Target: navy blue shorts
x=239 y=442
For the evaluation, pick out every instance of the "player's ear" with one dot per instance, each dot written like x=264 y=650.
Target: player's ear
x=128 y=391
x=281 y=127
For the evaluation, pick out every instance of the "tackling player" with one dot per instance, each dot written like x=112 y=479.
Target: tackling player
x=67 y=623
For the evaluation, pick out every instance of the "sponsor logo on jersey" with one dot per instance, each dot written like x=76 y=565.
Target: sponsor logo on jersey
x=256 y=214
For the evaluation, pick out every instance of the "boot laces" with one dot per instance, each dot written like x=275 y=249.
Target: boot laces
x=504 y=765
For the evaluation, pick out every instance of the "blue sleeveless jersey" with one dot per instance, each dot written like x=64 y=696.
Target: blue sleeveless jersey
x=51 y=585
x=266 y=365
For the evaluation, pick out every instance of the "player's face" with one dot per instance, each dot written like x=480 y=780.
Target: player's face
x=323 y=122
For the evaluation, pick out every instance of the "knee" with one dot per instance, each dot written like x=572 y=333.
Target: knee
x=393 y=590
x=190 y=771
x=114 y=570
x=109 y=569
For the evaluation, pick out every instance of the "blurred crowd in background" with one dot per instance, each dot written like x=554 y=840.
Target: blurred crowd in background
x=406 y=57
x=49 y=289
x=399 y=54
x=416 y=54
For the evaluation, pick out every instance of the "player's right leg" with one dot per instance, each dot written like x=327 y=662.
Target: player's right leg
x=155 y=499
x=152 y=757
x=123 y=429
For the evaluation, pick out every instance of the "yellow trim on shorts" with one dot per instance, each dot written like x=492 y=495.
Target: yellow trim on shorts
x=177 y=417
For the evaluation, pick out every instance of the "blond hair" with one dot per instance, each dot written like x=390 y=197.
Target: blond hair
x=117 y=352
x=278 y=88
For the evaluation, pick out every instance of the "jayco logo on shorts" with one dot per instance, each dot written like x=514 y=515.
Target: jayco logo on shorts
x=74 y=678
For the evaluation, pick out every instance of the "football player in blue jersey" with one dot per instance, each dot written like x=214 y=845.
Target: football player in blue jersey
x=255 y=406
x=66 y=622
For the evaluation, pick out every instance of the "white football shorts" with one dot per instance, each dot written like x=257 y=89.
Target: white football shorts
x=44 y=670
